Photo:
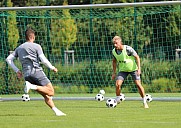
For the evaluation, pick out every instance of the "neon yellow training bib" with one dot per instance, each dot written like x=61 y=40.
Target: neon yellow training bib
x=126 y=63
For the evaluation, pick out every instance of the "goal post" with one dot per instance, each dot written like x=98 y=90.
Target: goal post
x=153 y=29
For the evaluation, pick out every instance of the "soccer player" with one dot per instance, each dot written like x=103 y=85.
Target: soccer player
x=128 y=63
x=30 y=54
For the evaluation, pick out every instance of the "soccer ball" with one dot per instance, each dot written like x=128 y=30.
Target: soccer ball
x=148 y=98
x=25 y=97
x=102 y=92
x=99 y=97
x=111 y=103
x=120 y=98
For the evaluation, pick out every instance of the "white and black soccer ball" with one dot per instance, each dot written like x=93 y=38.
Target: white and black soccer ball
x=102 y=92
x=111 y=103
x=99 y=97
x=25 y=97
x=148 y=97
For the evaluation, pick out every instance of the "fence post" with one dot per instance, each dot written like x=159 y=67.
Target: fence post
x=177 y=51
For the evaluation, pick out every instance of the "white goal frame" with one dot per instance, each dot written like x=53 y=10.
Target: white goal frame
x=137 y=4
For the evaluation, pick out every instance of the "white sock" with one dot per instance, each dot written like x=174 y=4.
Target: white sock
x=32 y=86
x=55 y=109
x=144 y=99
x=118 y=99
x=58 y=112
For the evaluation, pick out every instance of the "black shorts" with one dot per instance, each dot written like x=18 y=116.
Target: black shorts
x=38 y=78
x=123 y=75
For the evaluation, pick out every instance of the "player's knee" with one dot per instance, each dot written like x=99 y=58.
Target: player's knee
x=47 y=98
x=50 y=89
x=51 y=93
x=117 y=86
x=119 y=83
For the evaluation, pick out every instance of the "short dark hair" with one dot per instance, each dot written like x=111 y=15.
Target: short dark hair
x=29 y=33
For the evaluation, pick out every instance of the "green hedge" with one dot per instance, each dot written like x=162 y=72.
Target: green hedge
x=89 y=77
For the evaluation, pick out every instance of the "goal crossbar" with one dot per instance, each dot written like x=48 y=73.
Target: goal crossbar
x=116 y=5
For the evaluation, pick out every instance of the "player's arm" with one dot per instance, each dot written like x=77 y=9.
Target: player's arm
x=10 y=62
x=114 y=64
x=132 y=52
x=44 y=60
x=137 y=58
x=47 y=63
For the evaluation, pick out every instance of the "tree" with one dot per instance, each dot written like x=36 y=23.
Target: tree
x=173 y=31
x=69 y=29
x=12 y=32
x=64 y=28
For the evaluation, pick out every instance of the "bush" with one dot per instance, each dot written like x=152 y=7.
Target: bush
x=89 y=77
x=164 y=85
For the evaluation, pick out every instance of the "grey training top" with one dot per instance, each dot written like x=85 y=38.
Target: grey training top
x=28 y=54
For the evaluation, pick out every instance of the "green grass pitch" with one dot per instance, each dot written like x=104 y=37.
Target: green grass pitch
x=90 y=114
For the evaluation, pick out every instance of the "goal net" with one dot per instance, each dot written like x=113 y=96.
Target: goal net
x=77 y=39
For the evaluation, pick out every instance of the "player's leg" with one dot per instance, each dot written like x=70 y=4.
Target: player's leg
x=49 y=101
x=119 y=81
x=43 y=86
x=118 y=90
x=118 y=87
x=141 y=90
x=47 y=89
x=38 y=81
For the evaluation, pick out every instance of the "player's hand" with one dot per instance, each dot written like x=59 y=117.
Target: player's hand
x=19 y=74
x=55 y=70
x=113 y=76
